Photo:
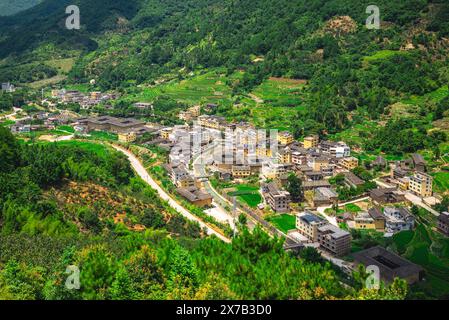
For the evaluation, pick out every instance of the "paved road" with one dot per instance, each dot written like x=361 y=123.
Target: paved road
x=199 y=169
x=141 y=171
x=333 y=220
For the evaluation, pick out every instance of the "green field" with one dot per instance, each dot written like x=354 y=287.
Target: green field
x=284 y=222
x=282 y=99
x=441 y=181
x=101 y=150
x=66 y=128
x=203 y=88
x=102 y=135
x=429 y=250
x=247 y=194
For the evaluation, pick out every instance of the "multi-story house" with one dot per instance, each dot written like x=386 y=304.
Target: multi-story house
x=334 y=239
x=349 y=163
x=421 y=184
x=307 y=224
x=278 y=200
x=311 y=142
x=443 y=223
x=285 y=138
x=241 y=171
x=398 y=219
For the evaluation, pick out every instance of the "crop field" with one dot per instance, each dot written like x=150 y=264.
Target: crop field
x=429 y=250
x=441 y=181
x=208 y=87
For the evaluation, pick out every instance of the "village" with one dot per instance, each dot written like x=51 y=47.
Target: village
x=233 y=169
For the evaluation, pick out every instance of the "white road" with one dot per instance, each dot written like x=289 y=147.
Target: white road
x=418 y=202
x=333 y=220
x=141 y=171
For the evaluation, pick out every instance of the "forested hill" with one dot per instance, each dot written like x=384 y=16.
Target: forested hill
x=326 y=42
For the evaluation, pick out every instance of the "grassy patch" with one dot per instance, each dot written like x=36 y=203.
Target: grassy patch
x=441 y=181
x=247 y=194
x=66 y=128
x=352 y=208
x=284 y=222
x=102 y=135
x=382 y=55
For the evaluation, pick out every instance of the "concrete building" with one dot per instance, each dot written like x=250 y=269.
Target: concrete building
x=285 y=138
x=349 y=163
x=241 y=171
x=334 y=239
x=127 y=137
x=278 y=200
x=176 y=172
x=364 y=221
x=311 y=142
x=318 y=163
x=443 y=223
x=421 y=184
x=284 y=155
x=335 y=149
x=398 y=219
x=390 y=265
x=324 y=197
x=212 y=122
x=307 y=224
x=386 y=195
x=8 y=87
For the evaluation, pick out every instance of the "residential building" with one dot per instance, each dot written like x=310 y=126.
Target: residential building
x=273 y=170
x=324 y=197
x=311 y=142
x=443 y=223
x=364 y=221
x=165 y=133
x=186 y=116
x=418 y=162
x=335 y=149
x=349 y=163
x=390 y=265
x=398 y=219
x=284 y=155
x=127 y=137
x=378 y=217
x=176 y=172
x=196 y=196
x=143 y=105
x=186 y=182
x=334 y=239
x=404 y=183
x=278 y=200
x=307 y=224
x=285 y=138
x=312 y=185
x=386 y=195
x=212 y=122
x=241 y=171
x=421 y=184
x=318 y=163
x=353 y=181
x=111 y=124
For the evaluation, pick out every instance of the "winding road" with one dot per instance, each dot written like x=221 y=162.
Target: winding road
x=142 y=172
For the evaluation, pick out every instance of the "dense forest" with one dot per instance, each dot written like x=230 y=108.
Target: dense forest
x=42 y=234
x=347 y=67
x=8 y=7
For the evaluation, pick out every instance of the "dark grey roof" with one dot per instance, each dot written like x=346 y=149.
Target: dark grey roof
x=376 y=214
x=390 y=265
x=353 y=179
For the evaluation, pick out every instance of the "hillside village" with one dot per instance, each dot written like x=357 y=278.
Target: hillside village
x=313 y=192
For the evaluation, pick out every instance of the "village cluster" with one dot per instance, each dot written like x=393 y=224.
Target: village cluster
x=208 y=146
